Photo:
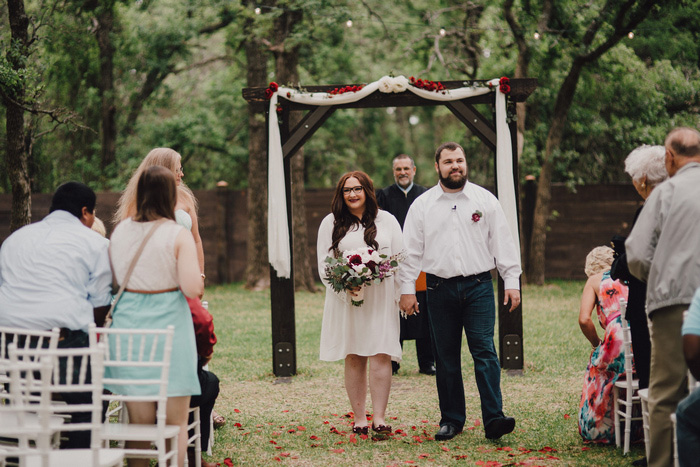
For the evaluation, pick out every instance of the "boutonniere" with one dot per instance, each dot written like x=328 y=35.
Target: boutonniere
x=476 y=217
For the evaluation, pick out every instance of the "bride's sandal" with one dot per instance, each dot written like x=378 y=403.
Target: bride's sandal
x=381 y=431
x=360 y=430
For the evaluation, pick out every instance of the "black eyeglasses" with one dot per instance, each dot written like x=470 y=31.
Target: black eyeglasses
x=356 y=189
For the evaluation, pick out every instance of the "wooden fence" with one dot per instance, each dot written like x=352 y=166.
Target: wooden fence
x=581 y=220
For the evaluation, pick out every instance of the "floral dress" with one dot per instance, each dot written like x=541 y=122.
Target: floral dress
x=606 y=365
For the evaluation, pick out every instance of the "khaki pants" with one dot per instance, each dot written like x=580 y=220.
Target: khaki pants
x=667 y=382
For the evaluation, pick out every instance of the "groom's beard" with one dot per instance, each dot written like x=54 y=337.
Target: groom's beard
x=454 y=182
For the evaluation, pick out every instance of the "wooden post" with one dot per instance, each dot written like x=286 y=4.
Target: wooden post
x=284 y=360
x=510 y=323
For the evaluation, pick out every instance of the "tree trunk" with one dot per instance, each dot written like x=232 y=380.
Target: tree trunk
x=257 y=265
x=286 y=70
x=17 y=156
x=625 y=19
x=103 y=32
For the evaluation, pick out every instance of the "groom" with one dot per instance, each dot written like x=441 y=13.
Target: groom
x=457 y=232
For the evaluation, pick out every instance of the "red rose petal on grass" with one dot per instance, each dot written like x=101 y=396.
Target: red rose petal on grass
x=393 y=418
x=408 y=462
x=445 y=448
x=338 y=451
x=315 y=445
x=301 y=428
x=228 y=462
x=424 y=421
x=237 y=425
x=326 y=422
x=413 y=427
x=339 y=442
x=279 y=447
x=364 y=436
x=291 y=430
x=276 y=433
x=504 y=448
x=278 y=459
x=567 y=416
x=423 y=456
x=313 y=437
x=547 y=449
x=285 y=454
x=272 y=441
x=585 y=449
x=236 y=410
x=353 y=440
x=285 y=411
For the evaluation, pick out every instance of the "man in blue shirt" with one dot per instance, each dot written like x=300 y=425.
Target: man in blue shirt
x=55 y=274
x=688 y=411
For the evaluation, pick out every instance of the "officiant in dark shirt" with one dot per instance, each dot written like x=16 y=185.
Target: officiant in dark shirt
x=396 y=199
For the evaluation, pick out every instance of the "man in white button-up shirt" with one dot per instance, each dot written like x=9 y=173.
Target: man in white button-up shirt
x=55 y=274
x=457 y=233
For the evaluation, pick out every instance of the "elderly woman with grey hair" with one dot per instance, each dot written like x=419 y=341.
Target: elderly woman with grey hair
x=646 y=167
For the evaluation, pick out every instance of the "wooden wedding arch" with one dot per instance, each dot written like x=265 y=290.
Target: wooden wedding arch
x=510 y=327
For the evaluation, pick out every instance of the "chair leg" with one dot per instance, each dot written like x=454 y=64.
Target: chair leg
x=616 y=416
x=628 y=425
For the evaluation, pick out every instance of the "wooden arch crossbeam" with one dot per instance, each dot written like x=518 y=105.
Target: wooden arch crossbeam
x=292 y=139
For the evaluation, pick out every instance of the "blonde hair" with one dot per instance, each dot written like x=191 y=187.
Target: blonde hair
x=166 y=157
x=99 y=227
x=598 y=260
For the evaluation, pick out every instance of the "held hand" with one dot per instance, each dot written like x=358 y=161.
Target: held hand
x=408 y=304
x=514 y=296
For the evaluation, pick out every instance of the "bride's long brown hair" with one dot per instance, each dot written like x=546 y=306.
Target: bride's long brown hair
x=344 y=220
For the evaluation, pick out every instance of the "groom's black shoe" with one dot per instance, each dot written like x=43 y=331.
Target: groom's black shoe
x=499 y=427
x=446 y=432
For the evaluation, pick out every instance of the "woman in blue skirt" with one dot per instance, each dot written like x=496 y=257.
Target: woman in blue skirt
x=165 y=273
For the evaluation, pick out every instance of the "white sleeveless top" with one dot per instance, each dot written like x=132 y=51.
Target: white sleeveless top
x=156 y=269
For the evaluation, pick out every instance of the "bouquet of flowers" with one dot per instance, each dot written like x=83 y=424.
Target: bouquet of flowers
x=357 y=268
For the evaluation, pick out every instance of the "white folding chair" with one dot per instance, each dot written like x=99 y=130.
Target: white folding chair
x=73 y=370
x=24 y=339
x=139 y=350
x=628 y=384
x=27 y=391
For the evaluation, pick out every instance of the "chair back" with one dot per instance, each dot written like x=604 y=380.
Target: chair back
x=627 y=344
x=137 y=362
x=23 y=339
x=27 y=398
x=73 y=370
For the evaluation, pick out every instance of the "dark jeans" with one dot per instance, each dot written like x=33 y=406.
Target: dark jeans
x=209 y=384
x=464 y=303
x=641 y=346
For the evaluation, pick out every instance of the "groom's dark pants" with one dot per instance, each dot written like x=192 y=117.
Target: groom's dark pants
x=464 y=303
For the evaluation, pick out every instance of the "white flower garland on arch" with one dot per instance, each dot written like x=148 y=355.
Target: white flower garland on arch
x=277 y=222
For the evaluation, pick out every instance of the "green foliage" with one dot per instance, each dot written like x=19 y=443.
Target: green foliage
x=632 y=95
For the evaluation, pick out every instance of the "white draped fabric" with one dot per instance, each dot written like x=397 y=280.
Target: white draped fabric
x=277 y=222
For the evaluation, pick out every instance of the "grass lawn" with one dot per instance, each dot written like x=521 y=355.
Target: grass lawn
x=304 y=423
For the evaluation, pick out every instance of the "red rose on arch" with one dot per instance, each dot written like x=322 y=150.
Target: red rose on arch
x=268 y=93
x=504 y=85
x=274 y=86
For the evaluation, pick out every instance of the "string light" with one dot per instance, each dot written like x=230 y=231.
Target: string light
x=443 y=32
x=630 y=35
x=348 y=23
x=536 y=36
x=258 y=11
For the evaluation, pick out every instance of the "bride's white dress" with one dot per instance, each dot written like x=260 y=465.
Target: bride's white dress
x=372 y=328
